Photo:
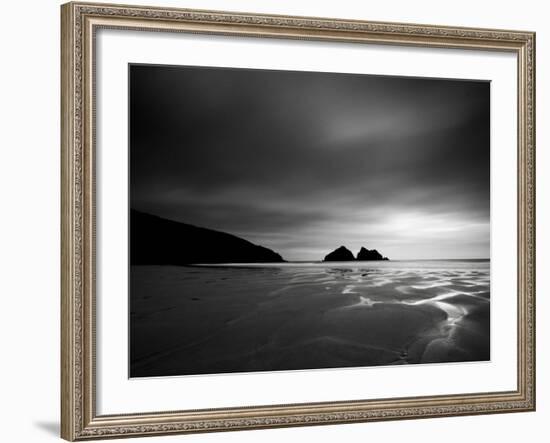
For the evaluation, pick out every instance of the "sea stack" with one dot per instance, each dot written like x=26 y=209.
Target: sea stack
x=370 y=254
x=340 y=254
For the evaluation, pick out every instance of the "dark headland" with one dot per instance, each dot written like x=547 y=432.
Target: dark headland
x=158 y=241
x=344 y=254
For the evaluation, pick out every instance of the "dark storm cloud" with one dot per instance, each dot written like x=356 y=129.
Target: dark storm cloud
x=303 y=162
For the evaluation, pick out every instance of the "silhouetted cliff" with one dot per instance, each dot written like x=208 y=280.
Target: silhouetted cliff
x=344 y=254
x=158 y=241
x=340 y=254
x=370 y=254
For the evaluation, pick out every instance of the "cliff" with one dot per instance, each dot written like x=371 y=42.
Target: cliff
x=158 y=241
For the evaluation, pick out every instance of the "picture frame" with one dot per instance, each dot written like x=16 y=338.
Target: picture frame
x=80 y=23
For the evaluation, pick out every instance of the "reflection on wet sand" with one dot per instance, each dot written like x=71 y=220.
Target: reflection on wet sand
x=198 y=320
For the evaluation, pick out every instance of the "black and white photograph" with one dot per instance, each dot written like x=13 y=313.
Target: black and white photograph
x=291 y=220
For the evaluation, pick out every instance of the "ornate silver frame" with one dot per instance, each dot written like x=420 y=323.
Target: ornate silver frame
x=80 y=21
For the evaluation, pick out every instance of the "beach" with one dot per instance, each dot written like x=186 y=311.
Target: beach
x=244 y=318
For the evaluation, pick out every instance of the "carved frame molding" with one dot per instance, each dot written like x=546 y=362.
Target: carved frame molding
x=79 y=24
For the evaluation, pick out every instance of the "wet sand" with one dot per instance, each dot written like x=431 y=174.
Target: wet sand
x=206 y=320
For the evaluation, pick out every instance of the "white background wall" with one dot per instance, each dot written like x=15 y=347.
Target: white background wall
x=29 y=218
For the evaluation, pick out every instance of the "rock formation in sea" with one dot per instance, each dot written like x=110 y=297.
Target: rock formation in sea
x=158 y=241
x=370 y=254
x=340 y=254
x=344 y=254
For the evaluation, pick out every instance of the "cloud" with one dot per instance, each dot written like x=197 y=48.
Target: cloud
x=301 y=162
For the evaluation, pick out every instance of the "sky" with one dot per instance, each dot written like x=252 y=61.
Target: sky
x=304 y=162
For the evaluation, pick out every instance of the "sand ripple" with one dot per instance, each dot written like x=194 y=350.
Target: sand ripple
x=190 y=320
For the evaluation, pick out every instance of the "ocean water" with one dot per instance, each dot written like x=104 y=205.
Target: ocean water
x=267 y=317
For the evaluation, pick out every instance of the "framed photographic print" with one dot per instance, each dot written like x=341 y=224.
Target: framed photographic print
x=281 y=221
